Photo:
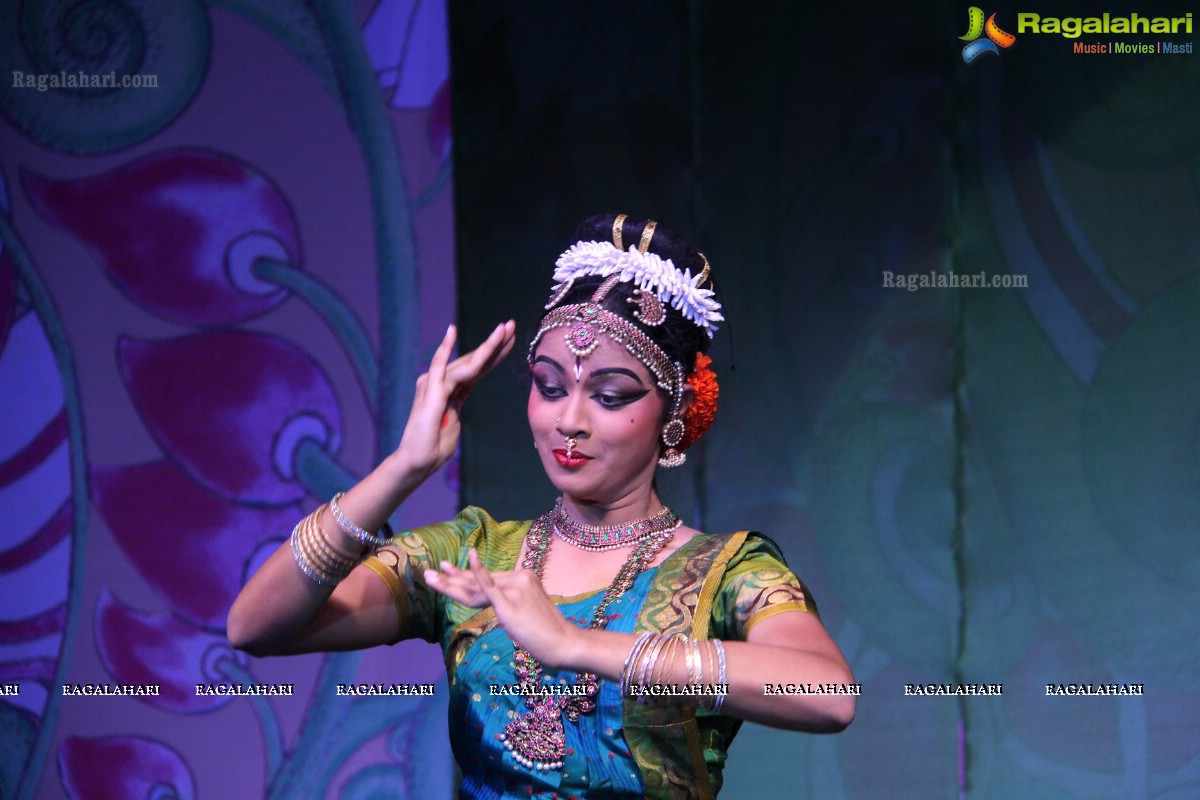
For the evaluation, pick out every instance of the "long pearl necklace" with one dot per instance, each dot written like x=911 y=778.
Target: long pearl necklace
x=597 y=538
x=537 y=739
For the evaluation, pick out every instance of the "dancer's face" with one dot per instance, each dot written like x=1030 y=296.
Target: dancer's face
x=613 y=410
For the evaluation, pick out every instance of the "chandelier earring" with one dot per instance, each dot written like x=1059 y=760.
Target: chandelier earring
x=673 y=431
x=672 y=435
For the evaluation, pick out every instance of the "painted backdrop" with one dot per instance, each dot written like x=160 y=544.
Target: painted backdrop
x=216 y=286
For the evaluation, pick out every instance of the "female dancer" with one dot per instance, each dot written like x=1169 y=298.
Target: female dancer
x=603 y=648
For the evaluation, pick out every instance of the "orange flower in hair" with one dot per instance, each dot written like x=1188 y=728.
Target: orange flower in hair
x=704 y=401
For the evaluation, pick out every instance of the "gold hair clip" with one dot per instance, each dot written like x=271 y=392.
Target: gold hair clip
x=647 y=235
x=618 y=225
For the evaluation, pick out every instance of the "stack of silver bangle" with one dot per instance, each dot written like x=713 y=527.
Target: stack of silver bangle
x=653 y=656
x=318 y=557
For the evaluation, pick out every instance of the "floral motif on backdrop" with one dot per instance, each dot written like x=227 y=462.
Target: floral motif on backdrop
x=205 y=242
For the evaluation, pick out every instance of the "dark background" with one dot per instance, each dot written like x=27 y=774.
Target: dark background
x=981 y=485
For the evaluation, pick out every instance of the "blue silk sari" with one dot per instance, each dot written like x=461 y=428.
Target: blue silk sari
x=597 y=759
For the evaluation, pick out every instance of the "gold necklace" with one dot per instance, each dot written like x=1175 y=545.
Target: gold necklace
x=537 y=739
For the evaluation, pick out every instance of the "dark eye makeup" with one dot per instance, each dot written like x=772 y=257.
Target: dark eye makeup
x=548 y=389
x=618 y=399
x=608 y=398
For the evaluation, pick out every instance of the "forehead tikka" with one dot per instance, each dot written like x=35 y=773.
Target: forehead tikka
x=587 y=322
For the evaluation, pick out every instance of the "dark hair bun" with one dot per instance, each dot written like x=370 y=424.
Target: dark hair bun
x=665 y=242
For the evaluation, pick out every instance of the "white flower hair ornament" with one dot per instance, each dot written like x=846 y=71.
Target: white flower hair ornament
x=648 y=271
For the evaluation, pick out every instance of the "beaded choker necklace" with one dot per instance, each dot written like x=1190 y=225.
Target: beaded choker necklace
x=596 y=538
x=537 y=739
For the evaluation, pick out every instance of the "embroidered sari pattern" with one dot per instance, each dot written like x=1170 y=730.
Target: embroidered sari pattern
x=765 y=595
x=666 y=741
x=401 y=565
x=757 y=584
x=426 y=614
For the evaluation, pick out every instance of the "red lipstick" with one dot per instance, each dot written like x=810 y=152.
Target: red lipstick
x=571 y=459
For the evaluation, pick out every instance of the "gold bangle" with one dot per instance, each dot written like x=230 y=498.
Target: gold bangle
x=306 y=560
x=333 y=540
x=323 y=547
x=315 y=555
x=668 y=671
x=631 y=662
x=650 y=658
x=694 y=659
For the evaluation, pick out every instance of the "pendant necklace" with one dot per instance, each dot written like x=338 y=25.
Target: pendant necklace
x=537 y=739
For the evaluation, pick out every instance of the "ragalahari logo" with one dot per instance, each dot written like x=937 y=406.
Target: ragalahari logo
x=976 y=28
